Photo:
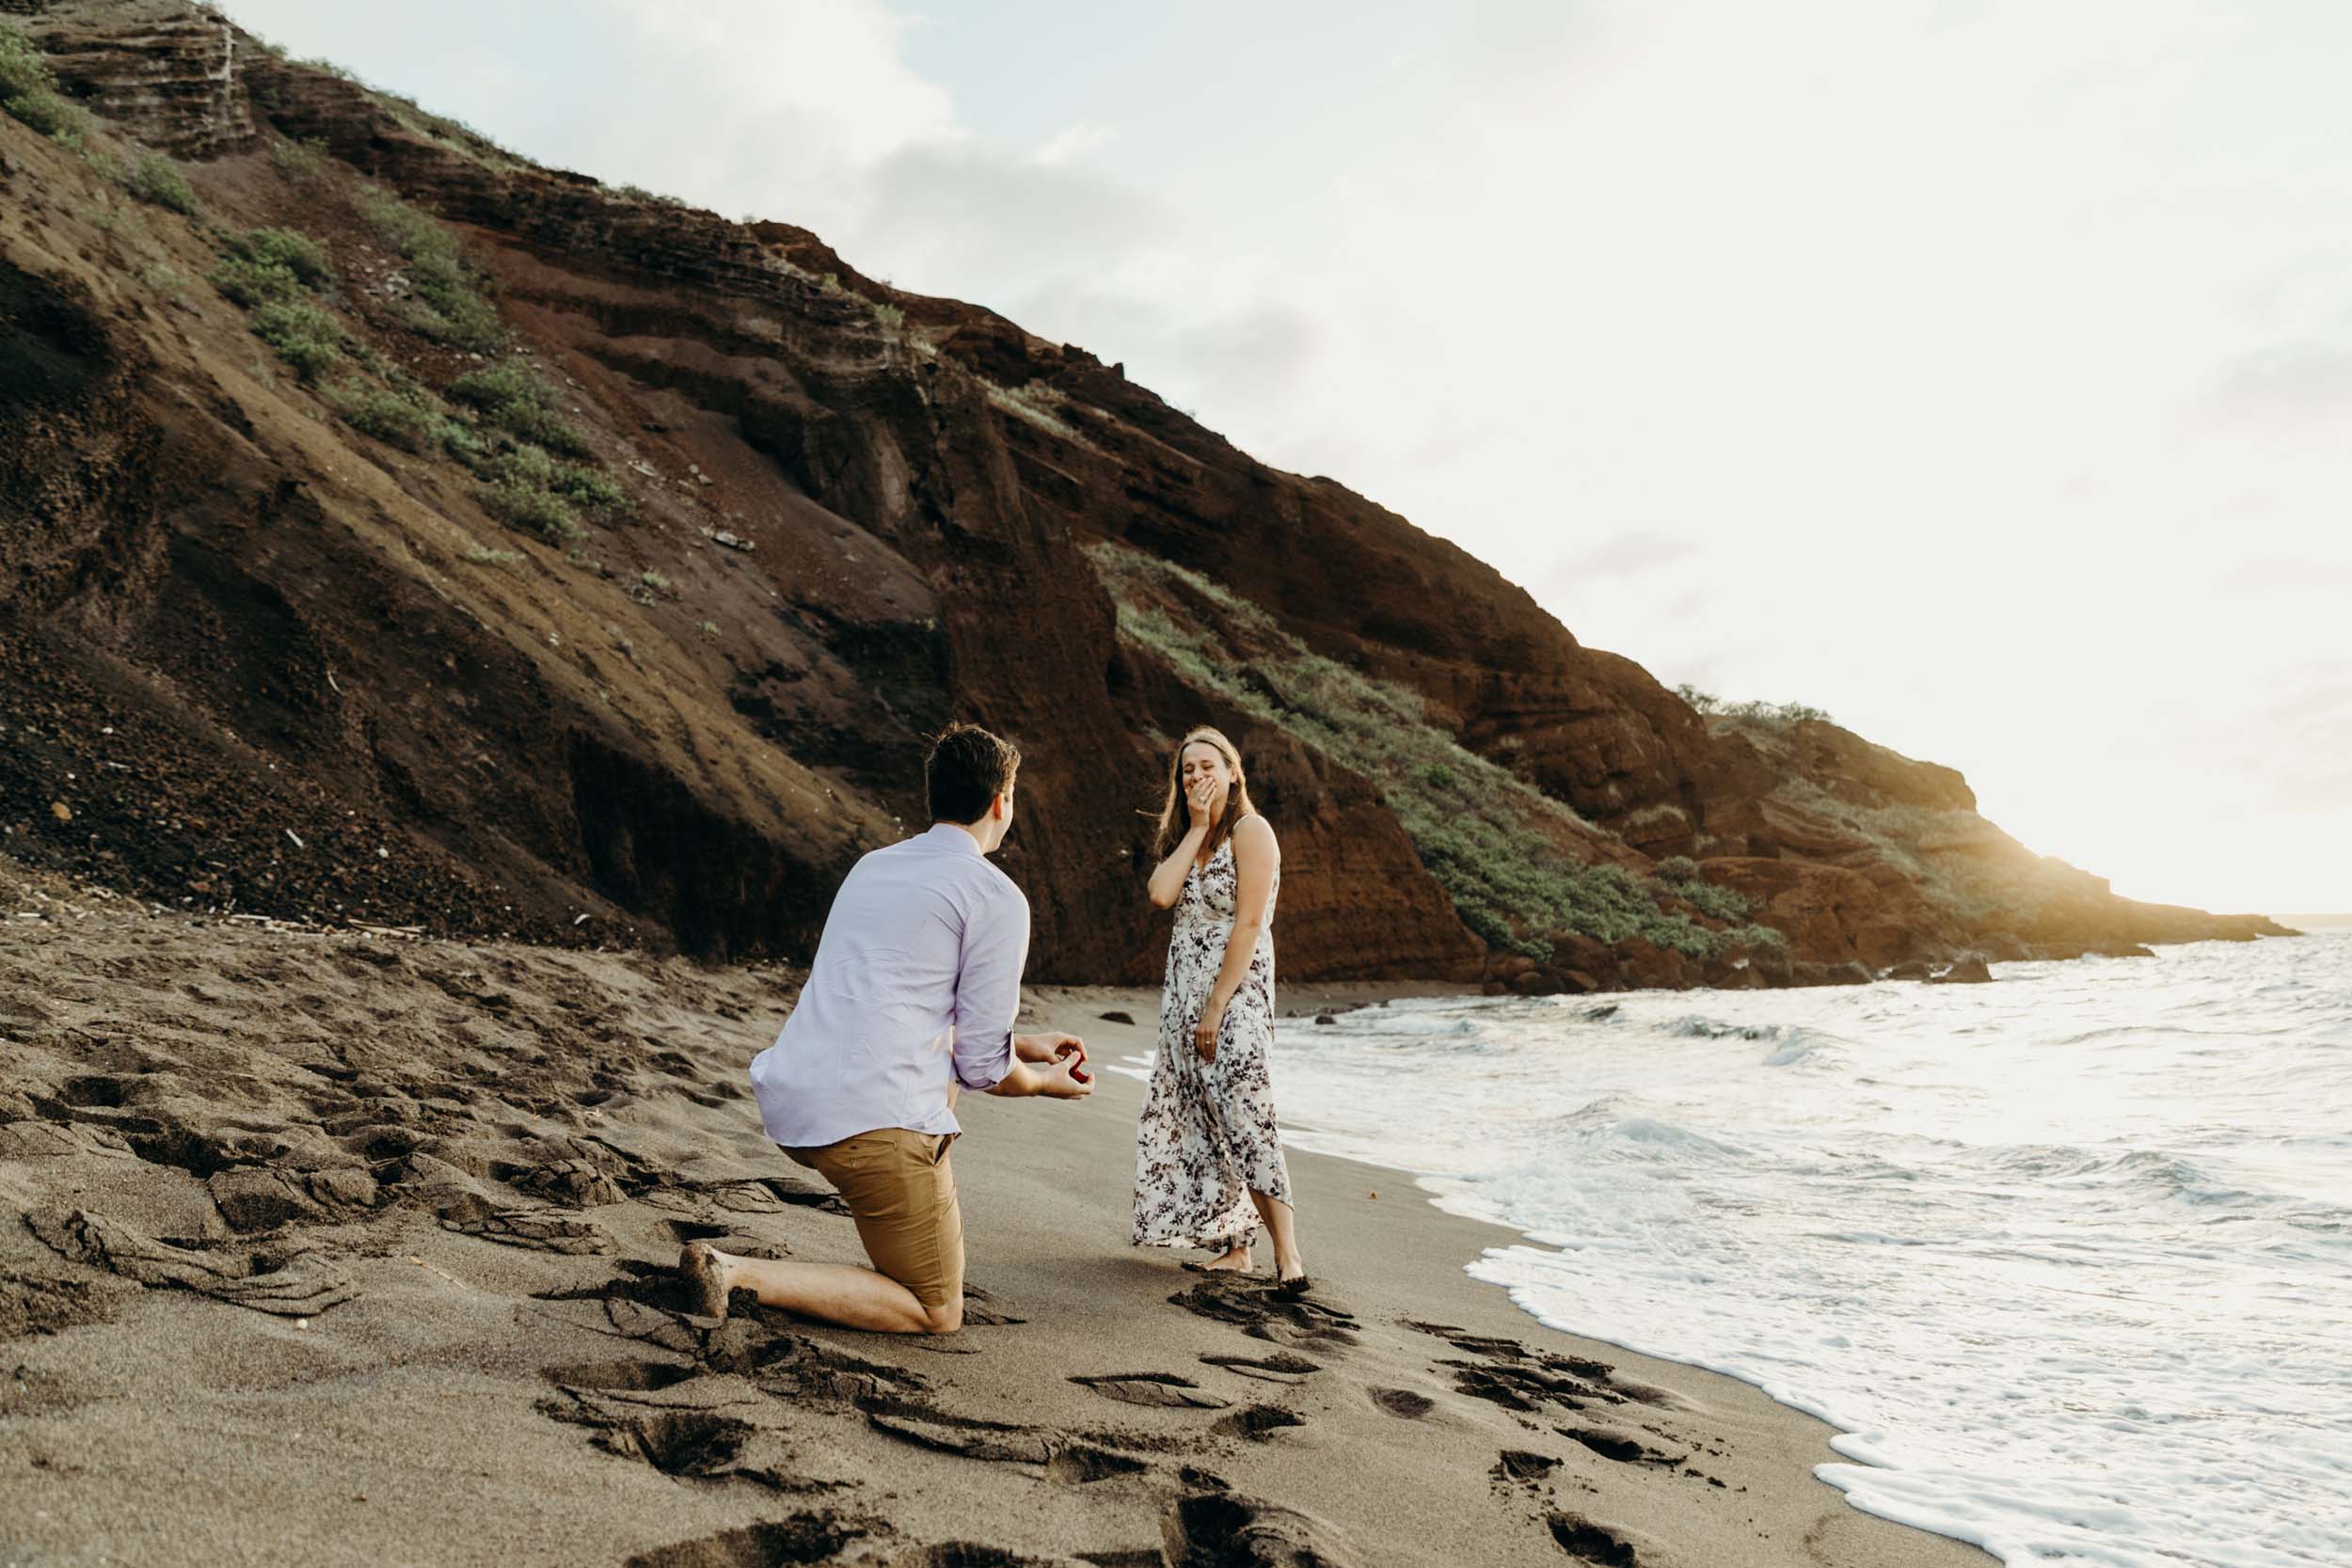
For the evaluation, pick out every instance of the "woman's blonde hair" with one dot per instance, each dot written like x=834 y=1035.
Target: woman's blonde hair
x=1173 y=815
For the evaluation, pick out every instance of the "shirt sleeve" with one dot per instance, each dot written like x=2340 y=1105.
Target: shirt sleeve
x=988 y=989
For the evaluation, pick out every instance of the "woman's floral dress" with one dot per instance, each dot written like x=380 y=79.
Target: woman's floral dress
x=1208 y=1135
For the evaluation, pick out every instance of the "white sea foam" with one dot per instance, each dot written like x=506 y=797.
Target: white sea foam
x=2066 y=1258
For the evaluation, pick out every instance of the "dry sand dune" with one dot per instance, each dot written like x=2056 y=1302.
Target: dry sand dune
x=336 y=1249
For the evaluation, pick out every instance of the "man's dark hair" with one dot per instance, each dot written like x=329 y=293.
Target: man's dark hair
x=968 y=768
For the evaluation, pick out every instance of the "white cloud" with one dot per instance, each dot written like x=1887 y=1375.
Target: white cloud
x=1072 y=142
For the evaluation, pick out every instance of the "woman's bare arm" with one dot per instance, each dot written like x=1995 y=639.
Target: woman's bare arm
x=1168 y=878
x=1256 y=856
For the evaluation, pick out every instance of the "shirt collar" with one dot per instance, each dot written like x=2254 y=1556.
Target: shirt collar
x=948 y=835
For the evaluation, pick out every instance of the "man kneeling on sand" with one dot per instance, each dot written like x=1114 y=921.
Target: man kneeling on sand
x=913 y=992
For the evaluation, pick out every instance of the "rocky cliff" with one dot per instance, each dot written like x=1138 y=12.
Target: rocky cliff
x=392 y=530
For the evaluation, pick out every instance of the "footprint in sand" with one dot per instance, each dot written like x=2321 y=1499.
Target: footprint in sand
x=286 y=1282
x=1281 y=1367
x=982 y=1311
x=802 y=1538
x=1152 y=1388
x=678 y=1433
x=1526 y=1467
x=540 y=1230
x=1264 y=1312
x=1587 y=1541
x=1511 y=1375
x=1063 y=1458
x=1258 y=1422
x=618 y=1376
x=1522 y=1388
x=1403 y=1403
x=1226 y=1529
x=1619 y=1447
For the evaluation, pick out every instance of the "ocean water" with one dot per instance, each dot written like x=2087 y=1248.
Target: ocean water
x=2067 y=1257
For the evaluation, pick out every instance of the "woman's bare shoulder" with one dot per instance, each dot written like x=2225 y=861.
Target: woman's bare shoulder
x=1254 y=831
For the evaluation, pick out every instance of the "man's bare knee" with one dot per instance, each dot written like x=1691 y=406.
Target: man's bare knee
x=947 y=1318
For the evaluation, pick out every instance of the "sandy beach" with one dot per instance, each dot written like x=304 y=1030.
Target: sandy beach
x=345 y=1249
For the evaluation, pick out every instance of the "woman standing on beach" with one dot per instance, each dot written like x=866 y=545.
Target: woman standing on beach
x=1209 y=1164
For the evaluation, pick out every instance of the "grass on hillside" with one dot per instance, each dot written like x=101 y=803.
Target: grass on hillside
x=305 y=336
x=512 y=397
x=450 y=307
x=1958 y=880
x=157 y=180
x=1476 y=826
x=527 y=487
x=268 y=266
x=29 y=94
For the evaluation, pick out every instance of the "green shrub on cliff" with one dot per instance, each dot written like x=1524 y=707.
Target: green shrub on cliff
x=1489 y=838
x=531 y=468
x=1716 y=903
x=272 y=265
x=530 y=489
x=157 y=182
x=538 y=509
x=512 y=398
x=1772 y=715
x=385 y=415
x=449 y=307
x=288 y=249
x=301 y=161
x=304 y=336
x=28 y=93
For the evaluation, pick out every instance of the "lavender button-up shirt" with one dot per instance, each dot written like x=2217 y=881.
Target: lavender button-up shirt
x=913 y=990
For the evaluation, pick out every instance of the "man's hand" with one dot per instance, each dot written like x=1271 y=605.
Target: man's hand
x=1054 y=1048
x=1048 y=1046
x=1062 y=1080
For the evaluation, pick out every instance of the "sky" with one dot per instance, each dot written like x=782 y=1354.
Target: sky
x=1977 y=371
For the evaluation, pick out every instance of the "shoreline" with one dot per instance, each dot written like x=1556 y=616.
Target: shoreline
x=345 y=1250
x=1793 y=1431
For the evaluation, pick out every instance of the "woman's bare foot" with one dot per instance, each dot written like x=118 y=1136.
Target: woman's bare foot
x=1235 y=1262
x=1290 y=1273
x=707 y=1273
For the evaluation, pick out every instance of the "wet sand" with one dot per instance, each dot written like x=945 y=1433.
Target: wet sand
x=343 y=1249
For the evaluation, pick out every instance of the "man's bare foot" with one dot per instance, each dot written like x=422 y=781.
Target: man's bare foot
x=707 y=1278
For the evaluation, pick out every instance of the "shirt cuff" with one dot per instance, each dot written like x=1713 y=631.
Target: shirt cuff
x=983 y=1070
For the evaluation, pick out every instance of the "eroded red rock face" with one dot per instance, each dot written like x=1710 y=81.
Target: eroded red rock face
x=263 y=661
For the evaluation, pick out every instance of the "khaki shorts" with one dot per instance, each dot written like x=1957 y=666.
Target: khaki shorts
x=902 y=1195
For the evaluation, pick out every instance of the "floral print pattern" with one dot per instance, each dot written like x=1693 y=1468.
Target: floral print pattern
x=1208 y=1135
